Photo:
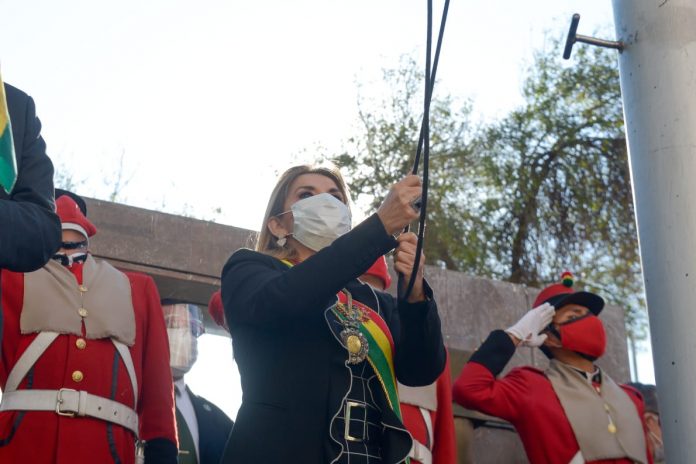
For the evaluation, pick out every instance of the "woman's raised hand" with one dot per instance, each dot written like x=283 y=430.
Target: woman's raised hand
x=404 y=258
x=397 y=209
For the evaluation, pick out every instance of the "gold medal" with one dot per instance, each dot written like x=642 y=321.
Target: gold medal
x=353 y=340
x=354 y=344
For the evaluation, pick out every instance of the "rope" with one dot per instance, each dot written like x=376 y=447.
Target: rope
x=424 y=138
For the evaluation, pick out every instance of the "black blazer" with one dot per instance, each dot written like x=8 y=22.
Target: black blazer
x=213 y=429
x=30 y=230
x=292 y=364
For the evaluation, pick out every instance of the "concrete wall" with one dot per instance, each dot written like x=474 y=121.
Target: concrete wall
x=185 y=257
x=470 y=307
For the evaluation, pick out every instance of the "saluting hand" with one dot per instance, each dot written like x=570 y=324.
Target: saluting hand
x=397 y=209
x=404 y=257
x=527 y=331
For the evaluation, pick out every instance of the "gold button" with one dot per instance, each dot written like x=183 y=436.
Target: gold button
x=80 y=343
x=82 y=312
x=77 y=376
x=612 y=428
x=606 y=408
x=83 y=289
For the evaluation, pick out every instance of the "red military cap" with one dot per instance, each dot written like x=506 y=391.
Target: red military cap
x=562 y=293
x=216 y=310
x=72 y=218
x=379 y=270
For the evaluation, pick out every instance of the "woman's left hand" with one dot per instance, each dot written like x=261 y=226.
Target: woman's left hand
x=404 y=257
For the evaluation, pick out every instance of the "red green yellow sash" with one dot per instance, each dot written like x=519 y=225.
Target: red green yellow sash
x=381 y=352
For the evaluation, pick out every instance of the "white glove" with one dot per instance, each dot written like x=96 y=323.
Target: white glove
x=527 y=329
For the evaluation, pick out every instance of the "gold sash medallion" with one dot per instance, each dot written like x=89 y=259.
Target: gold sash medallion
x=355 y=342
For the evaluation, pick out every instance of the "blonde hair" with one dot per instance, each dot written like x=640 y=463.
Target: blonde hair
x=266 y=242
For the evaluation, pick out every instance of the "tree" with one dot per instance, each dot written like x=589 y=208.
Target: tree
x=545 y=189
x=384 y=153
x=114 y=180
x=557 y=170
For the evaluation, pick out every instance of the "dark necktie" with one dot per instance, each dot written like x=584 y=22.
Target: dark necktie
x=187 y=447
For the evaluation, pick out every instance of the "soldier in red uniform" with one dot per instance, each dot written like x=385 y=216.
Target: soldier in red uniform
x=217 y=312
x=85 y=362
x=571 y=413
x=426 y=411
x=427 y=414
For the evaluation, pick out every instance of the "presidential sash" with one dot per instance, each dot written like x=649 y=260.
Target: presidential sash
x=381 y=351
x=375 y=330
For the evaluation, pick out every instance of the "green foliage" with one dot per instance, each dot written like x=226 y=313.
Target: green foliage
x=559 y=162
x=545 y=189
x=384 y=153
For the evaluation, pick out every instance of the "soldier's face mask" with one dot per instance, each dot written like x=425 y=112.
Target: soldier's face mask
x=584 y=335
x=184 y=325
x=69 y=259
x=71 y=251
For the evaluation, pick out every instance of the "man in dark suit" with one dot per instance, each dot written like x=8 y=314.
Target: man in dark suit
x=202 y=427
x=29 y=229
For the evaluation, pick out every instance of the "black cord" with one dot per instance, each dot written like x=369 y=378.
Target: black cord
x=429 y=91
x=424 y=140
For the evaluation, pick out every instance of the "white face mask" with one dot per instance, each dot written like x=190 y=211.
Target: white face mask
x=319 y=220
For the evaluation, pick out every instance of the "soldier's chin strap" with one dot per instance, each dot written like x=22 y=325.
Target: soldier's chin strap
x=424 y=142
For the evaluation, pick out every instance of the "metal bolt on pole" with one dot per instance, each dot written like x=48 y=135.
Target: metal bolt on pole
x=658 y=86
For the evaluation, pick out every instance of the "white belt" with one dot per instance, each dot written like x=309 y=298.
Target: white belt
x=578 y=458
x=421 y=453
x=66 y=401
x=71 y=403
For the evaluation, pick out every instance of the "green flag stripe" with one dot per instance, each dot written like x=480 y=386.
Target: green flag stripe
x=378 y=360
x=382 y=366
x=8 y=165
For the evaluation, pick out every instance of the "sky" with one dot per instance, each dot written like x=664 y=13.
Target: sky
x=199 y=105
x=195 y=96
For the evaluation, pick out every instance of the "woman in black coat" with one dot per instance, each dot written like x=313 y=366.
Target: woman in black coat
x=319 y=351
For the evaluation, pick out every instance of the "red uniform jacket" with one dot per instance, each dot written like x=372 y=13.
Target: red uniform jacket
x=525 y=398
x=39 y=437
x=443 y=444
